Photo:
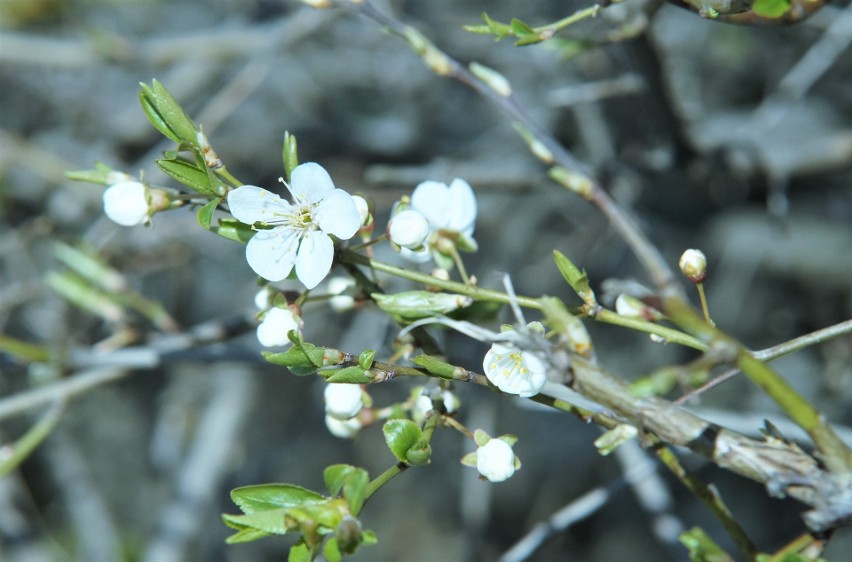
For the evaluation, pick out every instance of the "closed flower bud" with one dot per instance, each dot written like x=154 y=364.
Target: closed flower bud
x=276 y=324
x=363 y=208
x=693 y=264
x=342 y=400
x=408 y=229
x=496 y=460
x=126 y=203
x=344 y=429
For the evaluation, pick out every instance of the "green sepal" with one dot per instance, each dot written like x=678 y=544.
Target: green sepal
x=435 y=366
x=265 y=497
x=347 y=375
x=166 y=114
x=493 y=27
x=233 y=229
x=365 y=360
x=331 y=551
x=400 y=436
x=351 y=480
x=189 y=174
x=205 y=213
x=290 y=154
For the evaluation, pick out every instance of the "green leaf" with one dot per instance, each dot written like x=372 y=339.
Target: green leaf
x=414 y=305
x=300 y=552
x=331 y=551
x=366 y=358
x=352 y=480
x=350 y=375
x=265 y=497
x=166 y=114
x=435 y=366
x=369 y=538
x=771 y=8
x=519 y=28
x=188 y=174
x=247 y=534
x=576 y=278
x=233 y=229
x=99 y=175
x=272 y=521
x=290 y=154
x=401 y=435
x=500 y=30
x=702 y=548
x=205 y=213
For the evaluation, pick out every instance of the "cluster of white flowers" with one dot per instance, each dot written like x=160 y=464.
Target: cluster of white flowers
x=342 y=404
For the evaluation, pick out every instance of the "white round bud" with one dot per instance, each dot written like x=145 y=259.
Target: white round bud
x=363 y=208
x=693 y=264
x=344 y=429
x=277 y=322
x=496 y=460
x=126 y=203
x=408 y=229
x=342 y=400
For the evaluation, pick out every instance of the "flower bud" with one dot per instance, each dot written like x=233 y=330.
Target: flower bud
x=343 y=401
x=276 y=324
x=408 y=229
x=344 y=429
x=340 y=302
x=496 y=460
x=363 y=208
x=693 y=264
x=126 y=203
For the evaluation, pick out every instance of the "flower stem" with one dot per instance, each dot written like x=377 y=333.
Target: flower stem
x=382 y=479
x=704 y=308
x=224 y=173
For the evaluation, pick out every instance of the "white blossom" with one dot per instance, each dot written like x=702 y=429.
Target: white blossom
x=126 y=203
x=514 y=370
x=693 y=264
x=495 y=460
x=447 y=209
x=300 y=233
x=276 y=323
x=342 y=400
x=344 y=429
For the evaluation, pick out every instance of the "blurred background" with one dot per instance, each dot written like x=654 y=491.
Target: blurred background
x=730 y=139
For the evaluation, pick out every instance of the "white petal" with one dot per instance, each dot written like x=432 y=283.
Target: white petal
x=343 y=429
x=126 y=203
x=343 y=401
x=432 y=199
x=462 y=207
x=272 y=253
x=420 y=256
x=250 y=204
x=310 y=182
x=338 y=214
x=495 y=460
x=314 y=260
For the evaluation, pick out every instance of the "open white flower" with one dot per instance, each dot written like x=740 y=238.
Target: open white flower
x=514 y=370
x=300 y=233
x=126 y=203
x=495 y=460
x=343 y=400
x=277 y=322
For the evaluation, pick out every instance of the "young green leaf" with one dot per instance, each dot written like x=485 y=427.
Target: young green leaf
x=576 y=278
x=188 y=174
x=290 y=154
x=233 y=229
x=271 y=521
x=347 y=375
x=244 y=534
x=264 y=497
x=300 y=552
x=166 y=114
x=435 y=366
x=353 y=481
x=205 y=213
x=365 y=360
x=400 y=436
